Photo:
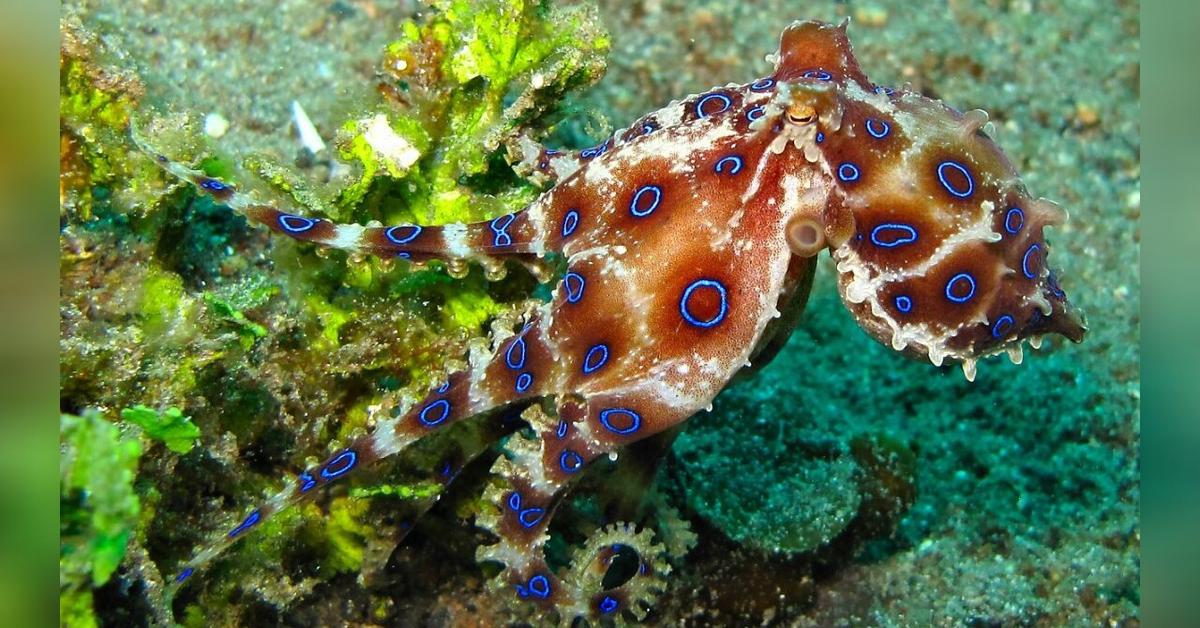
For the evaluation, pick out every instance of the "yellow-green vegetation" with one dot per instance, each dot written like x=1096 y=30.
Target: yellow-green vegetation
x=98 y=508
x=460 y=84
x=170 y=426
x=95 y=104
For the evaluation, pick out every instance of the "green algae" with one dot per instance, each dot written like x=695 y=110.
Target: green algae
x=99 y=509
x=170 y=426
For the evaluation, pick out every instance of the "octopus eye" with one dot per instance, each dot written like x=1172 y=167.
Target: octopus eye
x=801 y=117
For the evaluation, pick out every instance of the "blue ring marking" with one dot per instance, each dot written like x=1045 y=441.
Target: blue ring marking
x=608 y=605
x=530 y=517
x=348 y=459
x=574 y=284
x=440 y=403
x=514 y=501
x=444 y=387
x=594 y=151
x=553 y=151
x=1003 y=325
x=596 y=357
x=878 y=133
x=726 y=102
x=879 y=89
x=820 y=136
x=904 y=304
x=649 y=126
x=524 y=381
x=848 y=172
x=307 y=482
x=570 y=222
x=733 y=169
x=946 y=184
x=499 y=226
x=1052 y=283
x=390 y=234
x=903 y=239
x=755 y=112
x=518 y=363
x=1025 y=260
x=687 y=294
x=185 y=574
x=246 y=523
x=538 y=587
x=819 y=74
x=404 y=255
x=635 y=204
x=954 y=281
x=305 y=223
x=561 y=430
x=213 y=185
x=635 y=420
x=569 y=461
x=762 y=85
x=1008 y=220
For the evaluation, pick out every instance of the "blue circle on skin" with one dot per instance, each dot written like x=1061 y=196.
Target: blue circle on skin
x=726 y=102
x=878 y=133
x=514 y=501
x=524 y=381
x=594 y=151
x=956 y=280
x=573 y=283
x=530 y=517
x=649 y=127
x=348 y=458
x=819 y=74
x=444 y=387
x=820 y=137
x=848 y=172
x=1003 y=325
x=1033 y=248
x=246 y=523
x=185 y=574
x=687 y=294
x=390 y=234
x=561 y=430
x=762 y=85
x=635 y=420
x=307 y=482
x=569 y=461
x=906 y=234
x=755 y=113
x=213 y=185
x=499 y=225
x=904 y=304
x=635 y=204
x=518 y=362
x=1008 y=220
x=884 y=90
x=570 y=222
x=608 y=605
x=734 y=167
x=954 y=165
x=596 y=357
x=539 y=586
x=440 y=403
x=305 y=223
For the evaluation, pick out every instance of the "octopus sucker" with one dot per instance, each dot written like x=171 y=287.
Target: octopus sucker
x=689 y=241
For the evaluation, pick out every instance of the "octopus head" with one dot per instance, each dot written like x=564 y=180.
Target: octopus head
x=940 y=248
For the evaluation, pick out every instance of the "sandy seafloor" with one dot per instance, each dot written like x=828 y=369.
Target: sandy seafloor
x=1027 y=507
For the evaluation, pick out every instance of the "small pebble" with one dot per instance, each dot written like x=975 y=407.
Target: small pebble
x=871 y=16
x=215 y=125
x=1086 y=115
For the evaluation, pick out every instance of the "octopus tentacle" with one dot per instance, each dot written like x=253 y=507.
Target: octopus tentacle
x=469 y=392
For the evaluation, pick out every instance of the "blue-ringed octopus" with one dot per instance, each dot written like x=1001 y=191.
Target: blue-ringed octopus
x=690 y=240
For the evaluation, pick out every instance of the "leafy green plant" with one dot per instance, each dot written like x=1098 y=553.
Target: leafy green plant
x=169 y=426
